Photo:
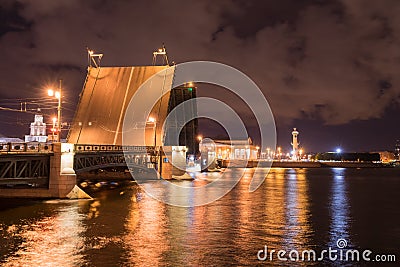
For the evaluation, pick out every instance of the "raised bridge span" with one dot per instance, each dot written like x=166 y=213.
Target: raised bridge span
x=105 y=97
x=95 y=137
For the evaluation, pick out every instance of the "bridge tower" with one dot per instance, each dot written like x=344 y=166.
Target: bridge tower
x=188 y=134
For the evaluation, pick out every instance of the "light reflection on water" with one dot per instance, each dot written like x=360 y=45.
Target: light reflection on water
x=339 y=208
x=145 y=239
x=51 y=241
x=293 y=209
x=297 y=211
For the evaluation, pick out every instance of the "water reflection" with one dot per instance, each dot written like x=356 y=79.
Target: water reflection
x=274 y=191
x=56 y=240
x=292 y=209
x=298 y=229
x=339 y=207
x=145 y=240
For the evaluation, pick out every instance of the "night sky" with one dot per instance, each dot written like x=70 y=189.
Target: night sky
x=329 y=68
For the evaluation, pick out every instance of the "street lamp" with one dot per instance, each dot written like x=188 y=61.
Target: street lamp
x=57 y=95
x=153 y=120
x=54 y=127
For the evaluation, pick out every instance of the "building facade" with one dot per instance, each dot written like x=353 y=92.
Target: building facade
x=229 y=149
x=37 y=130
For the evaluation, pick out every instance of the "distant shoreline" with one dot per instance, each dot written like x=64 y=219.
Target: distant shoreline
x=308 y=164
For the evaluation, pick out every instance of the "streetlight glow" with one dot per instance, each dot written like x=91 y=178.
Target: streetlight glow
x=57 y=95
x=153 y=120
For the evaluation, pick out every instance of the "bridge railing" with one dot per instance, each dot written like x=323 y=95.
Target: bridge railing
x=34 y=148
x=90 y=148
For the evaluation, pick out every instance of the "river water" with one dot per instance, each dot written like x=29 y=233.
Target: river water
x=294 y=209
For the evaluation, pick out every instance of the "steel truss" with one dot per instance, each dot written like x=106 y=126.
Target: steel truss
x=25 y=170
x=103 y=159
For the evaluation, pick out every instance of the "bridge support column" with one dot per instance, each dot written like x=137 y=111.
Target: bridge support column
x=173 y=161
x=62 y=178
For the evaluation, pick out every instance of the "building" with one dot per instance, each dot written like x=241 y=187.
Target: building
x=387 y=156
x=397 y=150
x=229 y=149
x=38 y=130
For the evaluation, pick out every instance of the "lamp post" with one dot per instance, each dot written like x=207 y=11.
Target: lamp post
x=54 y=127
x=157 y=153
x=153 y=120
x=279 y=153
x=57 y=95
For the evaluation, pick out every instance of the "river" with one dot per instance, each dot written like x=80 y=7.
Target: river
x=293 y=210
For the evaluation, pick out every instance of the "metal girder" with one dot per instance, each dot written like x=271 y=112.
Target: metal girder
x=30 y=170
x=97 y=160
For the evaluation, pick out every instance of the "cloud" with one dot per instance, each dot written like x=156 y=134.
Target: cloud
x=336 y=62
x=331 y=63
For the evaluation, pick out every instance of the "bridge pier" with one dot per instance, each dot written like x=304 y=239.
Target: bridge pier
x=62 y=177
x=172 y=162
